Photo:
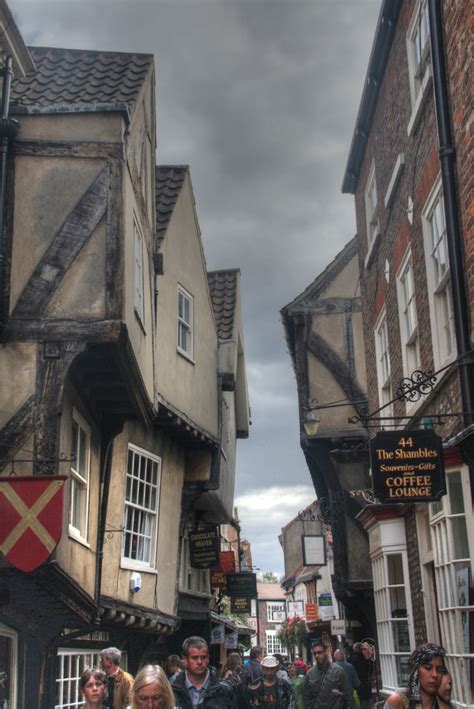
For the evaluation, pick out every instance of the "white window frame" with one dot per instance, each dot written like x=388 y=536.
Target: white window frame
x=419 y=60
x=439 y=284
x=408 y=316
x=71 y=664
x=191 y=580
x=141 y=511
x=11 y=635
x=371 y=202
x=274 y=606
x=138 y=277
x=184 y=325
x=79 y=481
x=392 y=542
x=382 y=354
x=451 y=612
x=273 y=644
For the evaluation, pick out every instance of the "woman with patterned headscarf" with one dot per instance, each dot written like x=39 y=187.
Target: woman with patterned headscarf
x=427 y=669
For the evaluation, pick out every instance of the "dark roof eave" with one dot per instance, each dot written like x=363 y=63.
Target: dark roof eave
x=82 y=107
x=384 y=34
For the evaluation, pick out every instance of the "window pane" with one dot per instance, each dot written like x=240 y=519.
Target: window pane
x=403 y=671
x=395 y=569
x=456 y=501
x=460 y=543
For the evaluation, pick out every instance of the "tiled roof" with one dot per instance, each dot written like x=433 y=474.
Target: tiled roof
x=270 y=592
x=168 y=182
x=223 y=288
x=76 y=79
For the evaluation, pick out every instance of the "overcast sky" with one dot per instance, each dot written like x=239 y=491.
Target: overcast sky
x=259 y=97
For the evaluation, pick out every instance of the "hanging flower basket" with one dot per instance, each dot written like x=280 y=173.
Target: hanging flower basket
x=292 y=632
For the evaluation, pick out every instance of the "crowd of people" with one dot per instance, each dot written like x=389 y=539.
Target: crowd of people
x=264 y=682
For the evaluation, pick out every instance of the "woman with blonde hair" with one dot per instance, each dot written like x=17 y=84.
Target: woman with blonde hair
x=152 y=689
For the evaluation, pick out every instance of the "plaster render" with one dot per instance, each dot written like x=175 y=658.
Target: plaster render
x=18 y=374
x=325 y=389
x=103 y=127
x=46 y=191
x=81 y=293
x=158 y=589
x=76 y=558
x=190 y=386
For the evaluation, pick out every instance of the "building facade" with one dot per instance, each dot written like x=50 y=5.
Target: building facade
x=119 y=370
x=410 y=170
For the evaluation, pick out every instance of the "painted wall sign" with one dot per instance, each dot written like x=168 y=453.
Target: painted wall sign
x=242 y=585
x=407 y=466
x=31 y=519
x=204 y=547
x=240 y=605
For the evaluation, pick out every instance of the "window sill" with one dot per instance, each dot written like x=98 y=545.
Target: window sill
x=130 y=565
x=186 y=356
x=419 y=102
x=77 y=537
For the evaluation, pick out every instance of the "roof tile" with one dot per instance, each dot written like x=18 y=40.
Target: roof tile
x=168 y=183
x=75 y=76
x=223 y=289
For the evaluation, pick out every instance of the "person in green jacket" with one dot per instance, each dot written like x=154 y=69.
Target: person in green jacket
x=296 y=680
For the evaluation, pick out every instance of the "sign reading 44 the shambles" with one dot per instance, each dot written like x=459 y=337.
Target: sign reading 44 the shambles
x=407 y=466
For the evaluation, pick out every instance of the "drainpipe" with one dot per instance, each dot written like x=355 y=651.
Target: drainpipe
x=102 y=522
x=8 y=129
x=454 y=233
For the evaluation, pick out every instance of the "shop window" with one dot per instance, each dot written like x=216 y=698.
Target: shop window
x=394 y=617
x=142 y=496
x=451 y=519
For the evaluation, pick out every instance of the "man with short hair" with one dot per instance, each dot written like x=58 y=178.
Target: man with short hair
x=361 y=662
x=119 y=682
x=254 y=667
x=198 y=686
x=325 y=685
x=270 y=691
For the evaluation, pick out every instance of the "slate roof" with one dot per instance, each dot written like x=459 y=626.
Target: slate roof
x=168 y=183
x=68 y=80
x=223 y=289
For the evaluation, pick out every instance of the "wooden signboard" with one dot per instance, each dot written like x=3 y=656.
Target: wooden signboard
x=407 y=466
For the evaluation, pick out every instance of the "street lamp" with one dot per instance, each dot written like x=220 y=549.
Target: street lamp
x=310 y=420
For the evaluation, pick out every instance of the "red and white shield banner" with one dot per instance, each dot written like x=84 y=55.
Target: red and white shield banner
x=31 y=519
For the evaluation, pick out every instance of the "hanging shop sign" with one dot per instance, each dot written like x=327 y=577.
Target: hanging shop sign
x=311 y=612
x=242 y=585
x=204 y=547
x=240 y=605
x=31 y=519
x=314 y=550
x=231 y=641
x=407 y=466
x=338 y=627
x=218 y=635
x=219 y=573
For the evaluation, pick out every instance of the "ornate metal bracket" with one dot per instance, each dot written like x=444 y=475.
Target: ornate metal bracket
x=367 y=495
x=418 y=385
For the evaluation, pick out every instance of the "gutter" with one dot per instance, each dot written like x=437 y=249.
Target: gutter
x=8 y=130
x=384 y=34
x=447 y=157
